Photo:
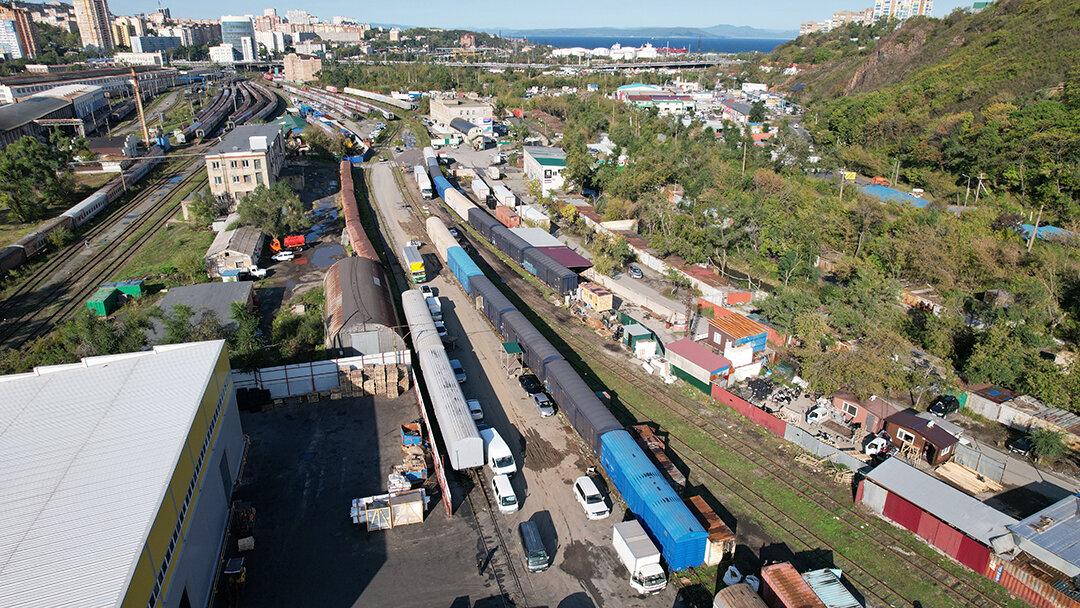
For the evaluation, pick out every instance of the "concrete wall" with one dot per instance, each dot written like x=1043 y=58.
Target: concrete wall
x=303 y=378
x=809 y=443
x=973 y=458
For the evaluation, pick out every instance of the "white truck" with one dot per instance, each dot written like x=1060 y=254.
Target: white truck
x=640 y=556
x=499 y=457
x=434 y=307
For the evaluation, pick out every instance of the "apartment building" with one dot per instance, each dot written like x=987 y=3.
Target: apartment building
x=249 y=156
x=95 y=28
x=19 y=38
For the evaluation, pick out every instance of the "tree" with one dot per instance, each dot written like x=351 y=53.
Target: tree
x=1047 y=444
x=28 y=179
x=245 y=345
x=276 y=210
x=611 y=253
x=757 y=112
x=206 y=207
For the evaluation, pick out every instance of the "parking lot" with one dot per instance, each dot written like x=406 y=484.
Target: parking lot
x=305 y=465
x=585 y=570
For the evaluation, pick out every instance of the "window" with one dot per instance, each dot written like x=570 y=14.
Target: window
x=215 y=165
x=247 y=179
x=259 y=178
x=246 y=163
x=904 y=436
x=850 y=409
x=217 y=180
x=258 y=164
x=236 y=179
x=232 y=164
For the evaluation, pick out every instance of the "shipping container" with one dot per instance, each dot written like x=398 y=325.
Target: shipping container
x=536 y=351
x=104 y=301
x=782 y=587
x=586 y=413
x=480 y=189
x=551 y=273
x=595 y=297
x=739 y=595
x=440 y=236
x=721 y=544
x=830 y=590
x=645 y=491
x=504 y=195
x=132 y=289
x=458 y=202
x=490 y=300
x=507 y=216
x=483 y=222
x=462 y=266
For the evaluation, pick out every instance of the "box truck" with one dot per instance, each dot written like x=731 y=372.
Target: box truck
x=499 y=457
x=640 y=556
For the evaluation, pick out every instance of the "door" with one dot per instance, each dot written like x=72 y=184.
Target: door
x=871 y=420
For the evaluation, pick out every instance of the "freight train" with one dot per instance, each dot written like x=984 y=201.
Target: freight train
x=644 y=488
x=390 y=101
x=538 y=263
x=345 y=105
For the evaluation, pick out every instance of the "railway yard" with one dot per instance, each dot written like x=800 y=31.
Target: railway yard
x=312 y=453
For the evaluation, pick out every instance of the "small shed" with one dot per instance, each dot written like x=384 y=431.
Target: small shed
x=735 y=328
x=870 y=414
x=697 y=364
x=920 y=437
x=740 y=595
x=721 y=543
x=830 y=590
x=640 y=339
x=359 y=316
x=234 y=249
x=986 y=399
x=782 y=587
x=104 y=301
x=132 y=289
x=595 y=297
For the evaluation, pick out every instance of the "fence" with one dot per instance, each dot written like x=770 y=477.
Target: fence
x=303 y=378
x=973 y=458
x=820 y=449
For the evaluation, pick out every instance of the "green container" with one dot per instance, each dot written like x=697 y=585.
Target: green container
x=104 y=301
x=133 y=289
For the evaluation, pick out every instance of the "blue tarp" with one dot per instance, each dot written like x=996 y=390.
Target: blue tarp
x=883 y=193
x=1047 y=233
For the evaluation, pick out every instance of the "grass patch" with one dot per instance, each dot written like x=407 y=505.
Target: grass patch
x=174 y=254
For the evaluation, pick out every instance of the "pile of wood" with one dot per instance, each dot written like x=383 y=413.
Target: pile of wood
x=388 y=380
x=966 y=479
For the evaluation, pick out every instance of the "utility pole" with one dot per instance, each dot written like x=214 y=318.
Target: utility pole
x=843 y=172
x=968 y=191
x=744 y=151
x=1035 y=230
x=979 y=187
x=138 y=104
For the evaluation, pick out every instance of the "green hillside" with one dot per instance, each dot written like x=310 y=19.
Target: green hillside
x=996 y=93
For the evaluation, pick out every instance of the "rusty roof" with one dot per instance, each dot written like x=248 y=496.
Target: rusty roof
x=789 y=586
x=737 y=326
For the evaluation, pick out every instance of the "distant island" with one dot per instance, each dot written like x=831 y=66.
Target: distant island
x=716 y=31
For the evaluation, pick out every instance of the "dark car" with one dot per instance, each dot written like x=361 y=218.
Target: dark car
x=944 y=405
x=1021 y=446
x=531 y=384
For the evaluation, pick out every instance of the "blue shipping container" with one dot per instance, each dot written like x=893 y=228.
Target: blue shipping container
x=462 y=266
x=681 y=538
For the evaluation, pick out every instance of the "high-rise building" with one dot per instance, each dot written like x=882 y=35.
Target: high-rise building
x=395 y=34
x=902 y=9
x=95 y=28
x=247 y=48
x=300 y=17
x=124 y=28
x=234 y=27
x=150 y=44
x=22 y=40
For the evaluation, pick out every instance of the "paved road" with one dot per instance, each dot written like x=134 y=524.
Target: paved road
x=586 y=571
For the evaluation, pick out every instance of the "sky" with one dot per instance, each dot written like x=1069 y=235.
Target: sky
x=491 y=14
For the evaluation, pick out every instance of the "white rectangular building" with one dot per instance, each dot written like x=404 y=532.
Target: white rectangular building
x=117 y=473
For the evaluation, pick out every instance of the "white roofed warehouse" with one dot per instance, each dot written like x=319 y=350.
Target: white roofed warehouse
x=116 y=475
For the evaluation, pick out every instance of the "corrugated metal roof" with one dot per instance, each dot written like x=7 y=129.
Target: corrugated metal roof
x=994 y=393
x=941 y=500
x=784 y=581
x=826 y=584
x=15 y=115
x=567 y=257
x=1056 y=529
x=245 y=240
x=86 y=453
x=739 y=595
x=357 y=298
x=737 y=326
x=699 y=355
x=538 y=237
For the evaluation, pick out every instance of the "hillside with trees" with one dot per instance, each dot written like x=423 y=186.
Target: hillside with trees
x=995 y=93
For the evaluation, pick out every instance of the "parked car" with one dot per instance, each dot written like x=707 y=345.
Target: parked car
x=426 y=290
x=944 y=405
x=454 y=233
x=530 y=383
x=284 y=256
x=475 y=410
x=635 y=272
x=504 y=494
x=817 y=415
x=1021 y=446
x=459 y=371
x=440 y=328
x=590 y=499
x=544 y=405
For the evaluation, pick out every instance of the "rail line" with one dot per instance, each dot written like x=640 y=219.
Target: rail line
x=97 y=268
x=962 y=590
x=497 y=557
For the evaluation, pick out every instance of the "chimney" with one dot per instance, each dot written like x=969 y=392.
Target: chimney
x=929 y=424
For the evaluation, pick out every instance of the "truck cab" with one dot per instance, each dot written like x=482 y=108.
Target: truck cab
x=499 y=457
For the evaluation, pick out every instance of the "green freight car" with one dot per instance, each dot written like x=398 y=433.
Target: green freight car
x=104 y=301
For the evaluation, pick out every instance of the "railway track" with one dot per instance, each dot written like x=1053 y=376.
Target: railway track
x=861 y=528
x=62 y=301
x=496 y=551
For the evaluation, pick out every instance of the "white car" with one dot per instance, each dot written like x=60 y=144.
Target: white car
x=505 y=497
x=475 y=410
x=818 y=415
x=590 y=499
x=284 y=256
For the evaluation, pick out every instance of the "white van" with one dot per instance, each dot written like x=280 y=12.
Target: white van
x=499 y=457
x=504 y=494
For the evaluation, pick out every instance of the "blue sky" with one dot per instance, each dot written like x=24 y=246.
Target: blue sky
x=767 y=14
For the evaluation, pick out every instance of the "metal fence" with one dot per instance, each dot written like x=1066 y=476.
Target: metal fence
x=820 y=449
x=975 y=459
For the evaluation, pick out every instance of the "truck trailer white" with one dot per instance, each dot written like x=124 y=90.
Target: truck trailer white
x=640 y=556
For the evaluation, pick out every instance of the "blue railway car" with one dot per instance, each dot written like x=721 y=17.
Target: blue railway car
x=462 y=266
x=441 y=186
x=647 y=493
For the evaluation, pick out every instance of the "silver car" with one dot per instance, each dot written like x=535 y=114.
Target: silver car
x=544 y=404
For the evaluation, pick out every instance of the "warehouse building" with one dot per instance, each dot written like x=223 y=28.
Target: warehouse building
x=546 y=166
x=697 y=364
x=248 y=157
x=479 y=113
x=31 y=117
x=360 y=318
x=301 y=68
x=234 y=249
x=115 y=81
x=117 y=474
